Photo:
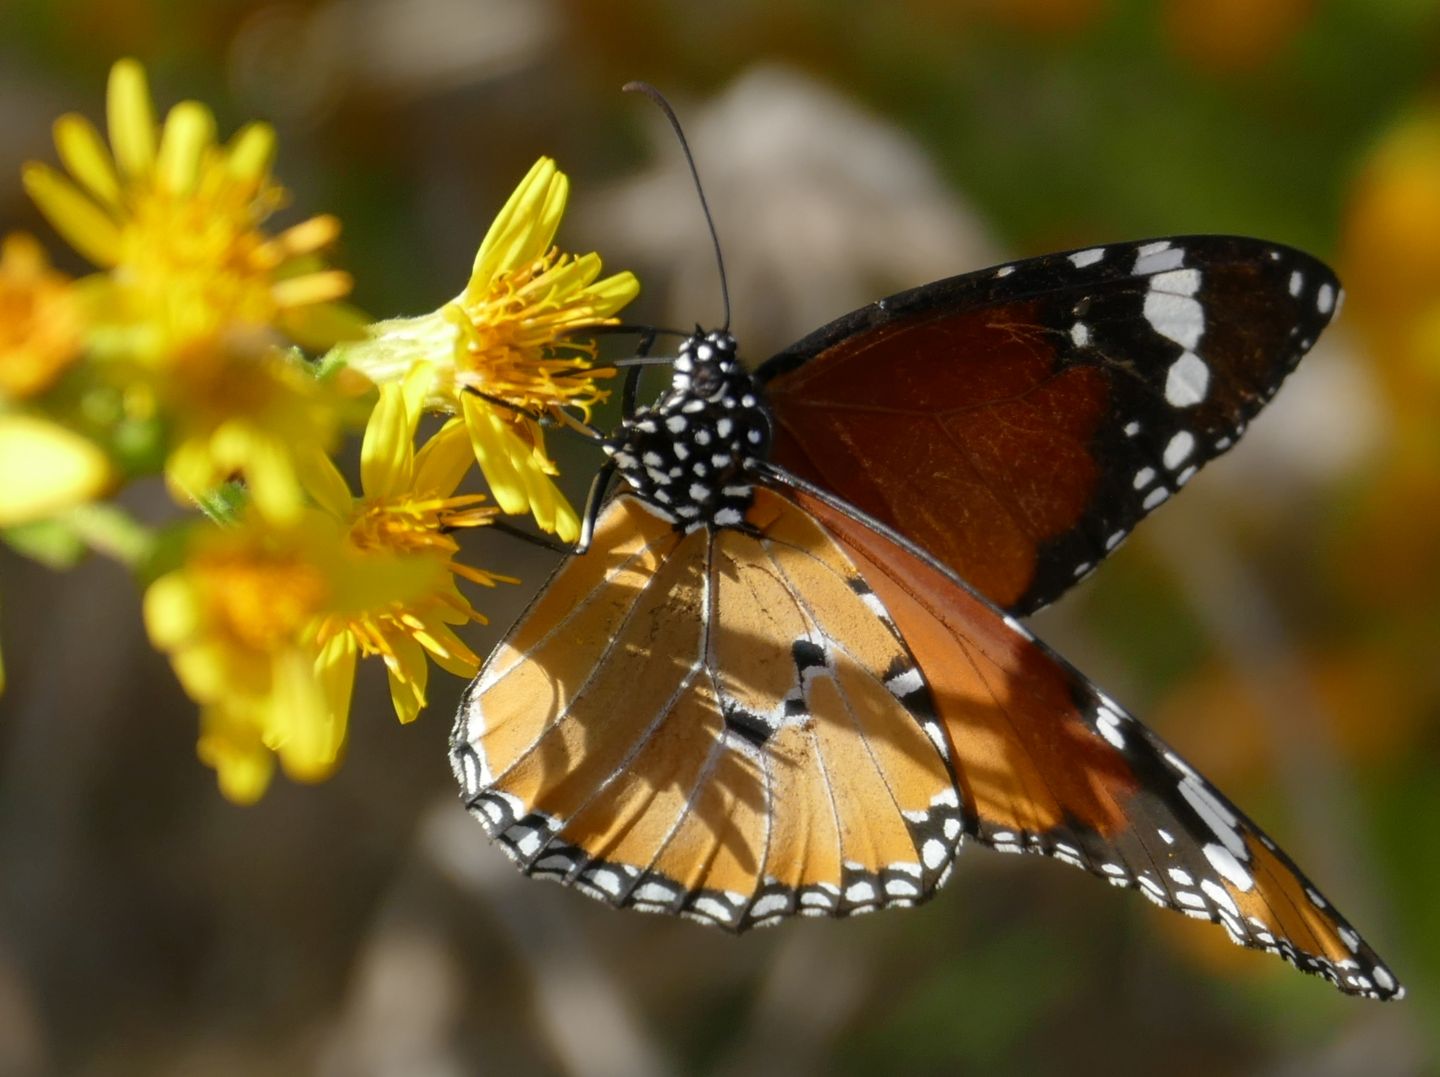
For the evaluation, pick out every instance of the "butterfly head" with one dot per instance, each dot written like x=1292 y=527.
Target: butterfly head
x=691 y=453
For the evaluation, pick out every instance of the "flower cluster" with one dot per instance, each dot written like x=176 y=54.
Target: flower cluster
x=221 y=355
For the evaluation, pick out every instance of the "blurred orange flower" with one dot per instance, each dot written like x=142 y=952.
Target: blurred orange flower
x=1390 y=258
x=40 y=322
x=1232 y=36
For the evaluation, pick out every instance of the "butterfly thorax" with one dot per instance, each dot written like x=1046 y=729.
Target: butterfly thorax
x=691 y=454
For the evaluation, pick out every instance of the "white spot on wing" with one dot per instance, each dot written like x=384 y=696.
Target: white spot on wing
x=655 y=893
x=1223 y=861
x=1175 y=317
x=1081 y=259
x=1220 y=896
x=1177 y=282
x=1215 y=815
x=1157 y=258
x=1178 y=450
x=1187 y=381
x=902 y=684
x=860 y=891
x=770 y=903
x=934 y=853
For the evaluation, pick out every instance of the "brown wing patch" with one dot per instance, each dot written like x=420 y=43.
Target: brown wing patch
x=722 y=724
x=1047 y=764
x=981 y=481
x=1019 y=422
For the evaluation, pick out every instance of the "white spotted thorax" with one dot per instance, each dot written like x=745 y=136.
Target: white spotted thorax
x=691 y=454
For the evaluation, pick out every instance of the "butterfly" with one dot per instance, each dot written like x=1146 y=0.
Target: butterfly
x=787 y=676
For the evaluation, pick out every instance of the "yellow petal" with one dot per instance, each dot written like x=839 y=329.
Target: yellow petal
x=83 y=224
x=322 y=481
x=85 y=155
x=131 y=119
x=308 y=236
x=387 y=461
x=189 y=131
x=312 y=735
x=444 y=460
x=251 y=152
x=46 y=469
x=489 y=437
x=551 y=509
x=171 y=611
x=312 y=288
x=611 y=294
x=335 y=669
x=449 y=652
x=416 y=386
x=525 y=226
x=537 y=485
x=408 y=677
x=231 y=745
x=211 y=671
x=320 y=327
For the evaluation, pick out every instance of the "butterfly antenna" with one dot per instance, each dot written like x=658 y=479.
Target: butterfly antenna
x=664 y=106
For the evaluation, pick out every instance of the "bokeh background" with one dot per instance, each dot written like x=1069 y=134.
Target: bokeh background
x=1279 y=624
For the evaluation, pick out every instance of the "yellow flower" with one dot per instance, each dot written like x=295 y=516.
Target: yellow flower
x=46 y=469
x=396 y=591
x=505 y=352
x=40 y=322
x=234 y=618
x=253 y=416
x=264 y=624
x=175 y=217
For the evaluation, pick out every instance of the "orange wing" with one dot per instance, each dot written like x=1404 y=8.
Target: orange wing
x=1048 y=764
x=720 y=724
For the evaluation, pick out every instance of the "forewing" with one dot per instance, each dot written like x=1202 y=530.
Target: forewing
x=721 y=725
x=1047 y=764
x=1017 y=423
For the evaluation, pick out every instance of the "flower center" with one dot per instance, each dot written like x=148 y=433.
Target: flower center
x=196 y=260
x=515 y=344
x=262 y=603
x=416 y=524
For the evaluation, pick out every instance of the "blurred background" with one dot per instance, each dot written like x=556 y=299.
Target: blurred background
x=1279 y=624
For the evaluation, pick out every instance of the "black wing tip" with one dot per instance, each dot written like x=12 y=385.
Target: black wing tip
x=1018 y=279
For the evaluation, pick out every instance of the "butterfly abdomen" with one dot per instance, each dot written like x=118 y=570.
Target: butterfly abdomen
x=691 y=455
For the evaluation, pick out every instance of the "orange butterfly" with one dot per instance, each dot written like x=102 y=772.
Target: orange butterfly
x=767 y=688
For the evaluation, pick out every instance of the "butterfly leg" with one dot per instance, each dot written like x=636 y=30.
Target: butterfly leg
x=543 y=541
x=560 y=416
x=593 y=501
